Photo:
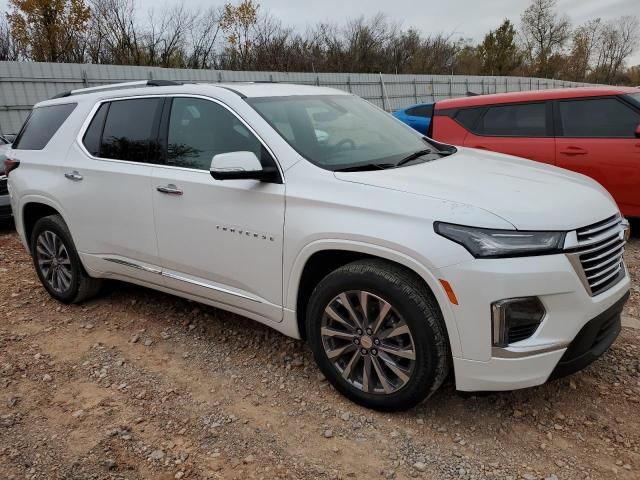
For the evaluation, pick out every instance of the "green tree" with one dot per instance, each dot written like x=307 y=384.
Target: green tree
x=499 y=51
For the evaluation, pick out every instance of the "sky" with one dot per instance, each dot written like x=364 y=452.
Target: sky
x=464 y=18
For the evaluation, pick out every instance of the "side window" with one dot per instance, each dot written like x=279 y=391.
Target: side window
x=93 y=134
x=41 y=125
x=602 y=117
x=200 y=129
x=524 y=120
x=468 y=117
x=128 y=132
x=421 y=111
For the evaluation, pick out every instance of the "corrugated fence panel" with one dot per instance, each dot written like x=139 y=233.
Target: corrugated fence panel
x=22 y=84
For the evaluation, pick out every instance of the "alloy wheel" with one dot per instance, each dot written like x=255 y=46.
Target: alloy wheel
x=53 y=261
x=368 y=342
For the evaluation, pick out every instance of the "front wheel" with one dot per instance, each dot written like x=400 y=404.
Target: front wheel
x=378 y=335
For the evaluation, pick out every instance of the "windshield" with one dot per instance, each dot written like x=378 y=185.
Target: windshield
x=340 y=131
x=635 y=97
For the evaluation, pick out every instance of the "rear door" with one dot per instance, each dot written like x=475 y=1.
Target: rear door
x=523 y=129
x=596 y=137
x=108 y=197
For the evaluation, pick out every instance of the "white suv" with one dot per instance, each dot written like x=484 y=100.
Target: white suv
x=312 y=211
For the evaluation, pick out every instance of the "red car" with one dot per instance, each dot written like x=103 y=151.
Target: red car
x=594 y=131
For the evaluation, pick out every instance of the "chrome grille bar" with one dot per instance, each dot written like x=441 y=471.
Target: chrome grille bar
x=598 y=254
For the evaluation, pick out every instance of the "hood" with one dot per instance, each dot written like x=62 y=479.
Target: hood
x=527 y=194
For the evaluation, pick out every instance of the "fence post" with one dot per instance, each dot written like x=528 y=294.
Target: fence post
x=482 y=85
x=384 y=102
x=85 y=80
x=415 y=90
x=317 y=80
x=433 y=91
x=349 y=83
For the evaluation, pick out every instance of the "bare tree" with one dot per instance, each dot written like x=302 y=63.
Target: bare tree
x=544 y=34
x=617 y=41
x=203 y=39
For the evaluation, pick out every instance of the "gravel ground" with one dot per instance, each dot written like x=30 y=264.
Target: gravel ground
x=139 y=384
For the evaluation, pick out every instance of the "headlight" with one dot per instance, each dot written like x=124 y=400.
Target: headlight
x=488 y=243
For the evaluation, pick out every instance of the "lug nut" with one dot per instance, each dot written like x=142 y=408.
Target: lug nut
x=374 y=351
x=369 y=331
x=359 y=331
x=356 y=341
x=363 y=351
x=376 y=341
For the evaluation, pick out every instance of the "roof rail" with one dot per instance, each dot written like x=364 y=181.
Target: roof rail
x=117 y=86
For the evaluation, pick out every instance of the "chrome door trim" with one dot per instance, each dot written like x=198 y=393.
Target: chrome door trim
x=157 y=271
x=131 y=264
x=209 y=286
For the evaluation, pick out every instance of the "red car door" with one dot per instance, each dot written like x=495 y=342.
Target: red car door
x=597 y=137
x=523 y=129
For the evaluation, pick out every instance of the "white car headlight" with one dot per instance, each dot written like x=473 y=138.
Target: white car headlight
x=490 y=243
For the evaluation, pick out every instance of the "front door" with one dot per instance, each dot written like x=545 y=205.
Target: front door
x=597 y=138
x=218 y=240
x=523 y=129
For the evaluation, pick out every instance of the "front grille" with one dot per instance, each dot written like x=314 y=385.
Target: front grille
x=3 y=186
x=598 y=254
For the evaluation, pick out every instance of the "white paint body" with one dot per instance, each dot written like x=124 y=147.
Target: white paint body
x=190 y=245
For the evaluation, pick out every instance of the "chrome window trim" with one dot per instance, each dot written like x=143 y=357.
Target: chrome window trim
x=94 y=109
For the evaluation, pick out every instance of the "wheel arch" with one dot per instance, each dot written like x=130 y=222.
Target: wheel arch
x=31 y=210
x=319 y=258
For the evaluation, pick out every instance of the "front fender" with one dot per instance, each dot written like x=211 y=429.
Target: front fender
x=430 y=278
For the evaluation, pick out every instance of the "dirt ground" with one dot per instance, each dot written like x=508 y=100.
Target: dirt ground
x=139 y=384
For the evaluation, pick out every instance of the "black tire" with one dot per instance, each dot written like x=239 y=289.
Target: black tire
x=416 y=306
x=80 y=285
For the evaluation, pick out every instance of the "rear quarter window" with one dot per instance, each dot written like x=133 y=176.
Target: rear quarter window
x=41 y=126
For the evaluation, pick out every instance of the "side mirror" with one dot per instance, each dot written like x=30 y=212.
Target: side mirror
x=638 y=131
x=241 y=166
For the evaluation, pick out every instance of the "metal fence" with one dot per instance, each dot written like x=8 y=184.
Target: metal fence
x=23 y=84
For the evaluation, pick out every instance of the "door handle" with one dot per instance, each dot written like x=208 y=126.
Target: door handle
x=170 y=189
x=74 y=176
x=574 y=151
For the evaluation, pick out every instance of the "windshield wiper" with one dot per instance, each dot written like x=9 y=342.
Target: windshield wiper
x=365 y=167
x=413 y=156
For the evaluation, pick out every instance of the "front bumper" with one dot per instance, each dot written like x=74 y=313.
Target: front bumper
x=571 y=312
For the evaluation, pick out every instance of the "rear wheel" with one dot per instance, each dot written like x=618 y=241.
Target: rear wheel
x=377 y=335
x=57 y=262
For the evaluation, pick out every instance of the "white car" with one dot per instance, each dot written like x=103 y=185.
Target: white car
x=398 y=259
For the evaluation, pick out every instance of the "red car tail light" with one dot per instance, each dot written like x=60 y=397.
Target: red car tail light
x=10 y=165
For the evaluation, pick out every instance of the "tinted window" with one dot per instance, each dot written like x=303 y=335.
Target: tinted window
x=200 y=129
x=421 y=111
x=603 y=117
x=93 y=134
x=129 y=128
x=41 y=125
x=468 y=117
x=526 y=120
